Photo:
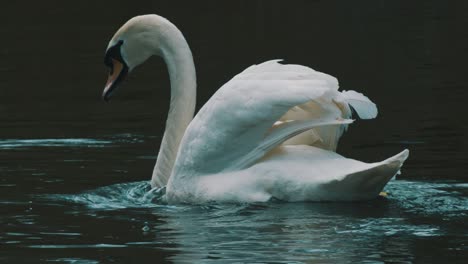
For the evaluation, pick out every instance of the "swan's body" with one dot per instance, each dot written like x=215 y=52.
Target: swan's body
x=271 y=131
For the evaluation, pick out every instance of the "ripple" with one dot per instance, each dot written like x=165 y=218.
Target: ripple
x=16 y=234
x=430 y=198
x=74 y=260
x=389 y=227
x=128 y=138
x=52 y=142
x=78 y=246
x=60 y=233
x=72 y=142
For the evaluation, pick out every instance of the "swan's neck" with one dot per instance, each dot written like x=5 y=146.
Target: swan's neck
x=178 y=57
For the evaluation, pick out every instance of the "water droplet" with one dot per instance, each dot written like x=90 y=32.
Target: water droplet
x=145 y=227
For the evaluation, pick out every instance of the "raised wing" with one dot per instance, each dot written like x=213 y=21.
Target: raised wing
x=260 y=108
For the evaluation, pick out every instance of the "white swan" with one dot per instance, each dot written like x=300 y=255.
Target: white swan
x=271 y=131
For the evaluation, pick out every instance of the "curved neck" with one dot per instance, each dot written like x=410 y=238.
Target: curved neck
x=178 y=57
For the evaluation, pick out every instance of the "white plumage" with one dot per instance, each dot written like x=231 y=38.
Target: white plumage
x=271 y=131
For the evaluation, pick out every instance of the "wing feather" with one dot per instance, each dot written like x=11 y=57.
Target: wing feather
x=364 y=107
x=280 y=134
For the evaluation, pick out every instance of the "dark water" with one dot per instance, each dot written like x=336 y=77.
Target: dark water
x=74 y=170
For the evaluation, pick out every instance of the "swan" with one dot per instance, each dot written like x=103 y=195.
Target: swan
x=269 y=132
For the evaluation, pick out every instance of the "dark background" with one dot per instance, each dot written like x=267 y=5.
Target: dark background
x=409 y=57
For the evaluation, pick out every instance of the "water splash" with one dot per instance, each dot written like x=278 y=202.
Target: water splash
x=116 y=196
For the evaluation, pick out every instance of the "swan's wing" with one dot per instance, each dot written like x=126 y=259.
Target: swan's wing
x=283 y=132
x=240 y=115
x=327 y=137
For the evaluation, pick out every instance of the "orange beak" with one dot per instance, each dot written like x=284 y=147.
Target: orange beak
x=116 y=75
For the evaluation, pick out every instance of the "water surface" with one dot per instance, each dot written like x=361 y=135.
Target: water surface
x=49 y=215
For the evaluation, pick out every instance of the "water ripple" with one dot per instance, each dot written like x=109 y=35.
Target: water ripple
x=428 y=198
x=71 y=142
x=52 y=142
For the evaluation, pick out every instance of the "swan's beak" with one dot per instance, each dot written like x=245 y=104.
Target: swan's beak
x=117 y=74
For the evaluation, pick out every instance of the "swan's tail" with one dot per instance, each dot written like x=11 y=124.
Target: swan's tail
x=367 y=184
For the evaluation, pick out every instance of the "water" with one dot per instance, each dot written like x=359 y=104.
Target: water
x=74 y=170
x=48 y=214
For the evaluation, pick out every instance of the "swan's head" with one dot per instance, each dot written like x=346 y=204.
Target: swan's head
x=132 y=44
